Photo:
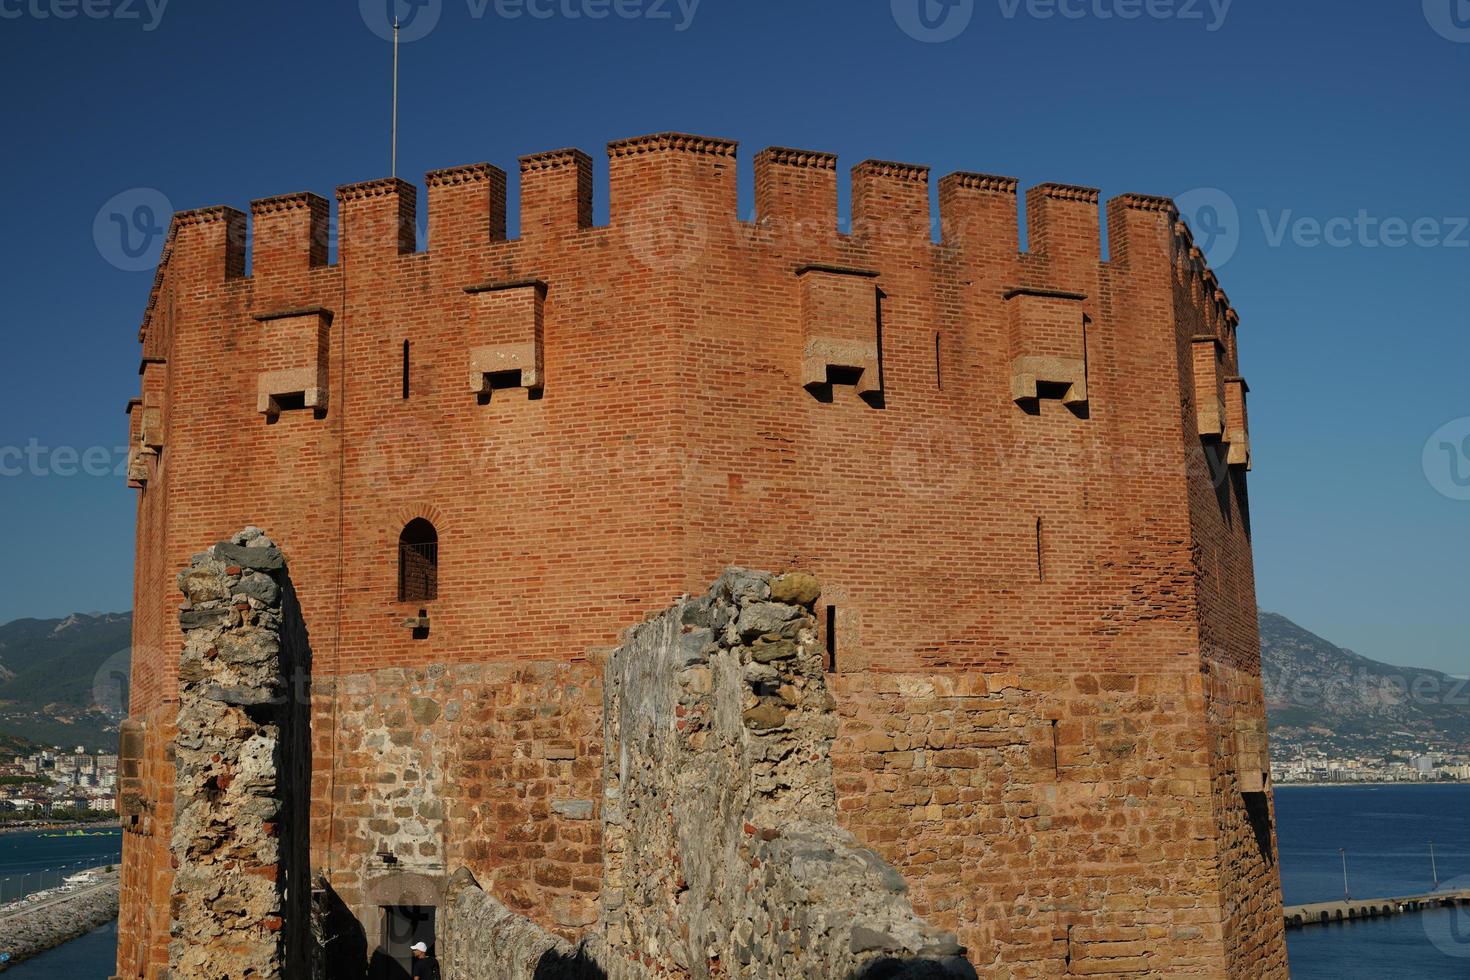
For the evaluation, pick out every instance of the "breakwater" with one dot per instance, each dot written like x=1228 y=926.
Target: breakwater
x=49 y=919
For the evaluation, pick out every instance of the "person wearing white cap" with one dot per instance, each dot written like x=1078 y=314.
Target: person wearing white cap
x=425 y=967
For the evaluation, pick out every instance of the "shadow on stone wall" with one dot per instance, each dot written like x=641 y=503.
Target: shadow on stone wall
x=558 y=965
x=342 y=946
x=294 y=762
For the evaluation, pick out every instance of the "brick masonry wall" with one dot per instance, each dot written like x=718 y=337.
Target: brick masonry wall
x=672 y=427
x=1046 y=819
x=146 y=881
x=495 y=768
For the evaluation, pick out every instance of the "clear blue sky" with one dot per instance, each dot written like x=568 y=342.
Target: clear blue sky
x=1354 y=340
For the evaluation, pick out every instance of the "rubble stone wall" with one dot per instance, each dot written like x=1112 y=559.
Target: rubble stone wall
x=242 y=762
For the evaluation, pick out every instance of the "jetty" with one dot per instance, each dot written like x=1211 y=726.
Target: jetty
x=1345 y=910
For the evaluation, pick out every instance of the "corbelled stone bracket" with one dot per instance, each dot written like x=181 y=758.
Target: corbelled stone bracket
x=1209 y=386
x=1048 y=341
x=506 y=334
x=296 y=352
x=1252 y=761
x=141 y=456
x=840 y=328
x=1237 y=426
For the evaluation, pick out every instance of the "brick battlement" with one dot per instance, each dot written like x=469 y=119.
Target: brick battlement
x=780 y=172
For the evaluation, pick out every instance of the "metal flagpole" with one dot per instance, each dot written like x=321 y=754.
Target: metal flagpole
x=1347 y=896
x=1433 y=866
x=394 y=166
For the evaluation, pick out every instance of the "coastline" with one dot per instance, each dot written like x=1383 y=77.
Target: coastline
x=46 y=921
x=27 y=827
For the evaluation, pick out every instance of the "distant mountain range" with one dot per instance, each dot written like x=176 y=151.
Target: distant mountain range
x=63 y=682
x=1321 y=696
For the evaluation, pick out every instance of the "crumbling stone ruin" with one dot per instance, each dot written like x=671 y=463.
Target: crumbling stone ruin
x=1020 y=475
x=242 y=758
x=723 y=857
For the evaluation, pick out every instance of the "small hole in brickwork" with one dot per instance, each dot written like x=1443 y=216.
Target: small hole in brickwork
x=832 y=639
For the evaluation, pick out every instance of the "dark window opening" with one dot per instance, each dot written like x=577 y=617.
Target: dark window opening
x=1040 y=565
x=418 y=562
x=1056 y=760
x=405 y=369
x=831 y=639
x=938 y=365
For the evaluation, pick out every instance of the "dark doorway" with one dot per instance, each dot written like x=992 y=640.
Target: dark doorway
x=403 y=925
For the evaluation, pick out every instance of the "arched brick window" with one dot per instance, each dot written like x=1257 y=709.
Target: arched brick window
x=418 y=562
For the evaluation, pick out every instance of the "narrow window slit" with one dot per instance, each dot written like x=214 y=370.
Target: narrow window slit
x=1056 y=761
x=938 y=365
x=1040 y=563
x=405 y=369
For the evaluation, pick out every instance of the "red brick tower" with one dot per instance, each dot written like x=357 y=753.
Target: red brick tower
x=1020 y=476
